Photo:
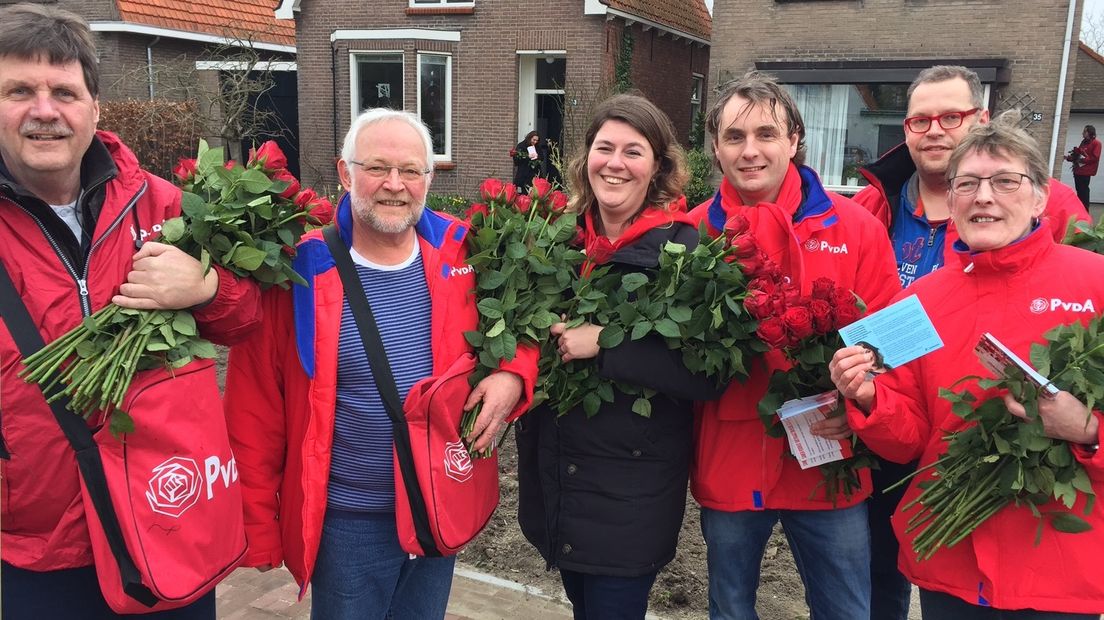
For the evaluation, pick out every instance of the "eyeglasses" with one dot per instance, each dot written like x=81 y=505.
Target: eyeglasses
x=378 y=171
x=947 y=120
x=1003 y=183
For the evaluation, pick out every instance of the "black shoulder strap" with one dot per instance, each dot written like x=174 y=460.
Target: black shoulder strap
x=29 y=340
x=385 y=383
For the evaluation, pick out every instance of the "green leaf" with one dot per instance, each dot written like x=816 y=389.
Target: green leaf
x=490 y=308
x=632 y=281
x=611 y=336
x=254 y=181
x=121 y=423
x=474 y=338
x=184 y=323
x=642 y=407
x=668 y=328
x=248 y=258
x=1068 y=523
x=173 y=230
x=679 y=314
x=641 y=329
x=498 y=328
x=490 y=280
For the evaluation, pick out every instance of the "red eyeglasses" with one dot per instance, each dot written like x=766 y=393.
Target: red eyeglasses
x=946 y=120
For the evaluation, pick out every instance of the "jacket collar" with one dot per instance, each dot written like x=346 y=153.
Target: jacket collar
x=891 y=172
x=97 y=168
x=637 y=245
x=1011 y=258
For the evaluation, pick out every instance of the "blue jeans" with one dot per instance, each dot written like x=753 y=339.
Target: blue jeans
x=74 y=593
x=940 y=606
x=890 y=591
x=831 y=549
x=363 y=573
x=604 y=597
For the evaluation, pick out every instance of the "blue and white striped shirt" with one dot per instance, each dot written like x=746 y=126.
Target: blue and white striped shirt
x=361 y=471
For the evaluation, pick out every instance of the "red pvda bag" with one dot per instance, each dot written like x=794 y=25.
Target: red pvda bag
x=443 y=497
x=174 y=487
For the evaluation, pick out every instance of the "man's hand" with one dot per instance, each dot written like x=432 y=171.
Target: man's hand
x=499 y=394
x=165 y=278
x=850 y=368
x=1064 y=417
x=834 y=427
x=576 y=343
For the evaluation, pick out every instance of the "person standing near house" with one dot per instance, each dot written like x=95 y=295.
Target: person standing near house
x=1085 y=158
x=74 y=207
x=308 y=426
x=530 y=158
x=909 y=193
x=744 y=479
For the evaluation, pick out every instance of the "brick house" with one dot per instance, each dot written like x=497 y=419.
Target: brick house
x=1086 y=108
x=483 y=73
x=849 y=63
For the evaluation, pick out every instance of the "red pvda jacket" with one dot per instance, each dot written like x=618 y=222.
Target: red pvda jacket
x=1017 y=293
x=281 y=387
x=43 y=518
x=811 y=233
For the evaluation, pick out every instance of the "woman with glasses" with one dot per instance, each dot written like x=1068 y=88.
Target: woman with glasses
x=1005 y=262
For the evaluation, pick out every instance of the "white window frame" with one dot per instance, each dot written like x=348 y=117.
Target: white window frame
x=354 y=76
x=423 y=4
x=527 y=87
x=697 y=93
x=447 y=155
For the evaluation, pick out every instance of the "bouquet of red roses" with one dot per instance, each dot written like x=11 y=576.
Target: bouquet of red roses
x=245 y=219
x=804 y=328
x=519 y=247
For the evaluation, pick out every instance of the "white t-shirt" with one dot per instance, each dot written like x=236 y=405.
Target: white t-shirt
x=71 y=216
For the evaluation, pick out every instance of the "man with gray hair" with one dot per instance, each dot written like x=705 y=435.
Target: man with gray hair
x=75 y=208
x=909 y=193
x=311 y=435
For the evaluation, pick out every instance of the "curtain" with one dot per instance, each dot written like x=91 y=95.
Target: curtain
x=824 y=109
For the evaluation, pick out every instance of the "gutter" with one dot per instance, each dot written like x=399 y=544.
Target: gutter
x=1062 y=84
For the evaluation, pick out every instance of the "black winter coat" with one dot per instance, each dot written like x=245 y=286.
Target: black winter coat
x=606 y=495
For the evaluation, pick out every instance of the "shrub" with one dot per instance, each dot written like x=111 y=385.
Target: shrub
x=454 y=205
x=701 y=186
x=159 y=131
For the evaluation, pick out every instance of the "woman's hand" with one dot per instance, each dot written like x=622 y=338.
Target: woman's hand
x=576 y=343
x=850 y=368
x=833 y=427
x=1064 y=417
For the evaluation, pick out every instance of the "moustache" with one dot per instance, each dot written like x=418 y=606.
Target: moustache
x=56 y=128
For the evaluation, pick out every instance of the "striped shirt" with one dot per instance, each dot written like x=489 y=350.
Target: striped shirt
x=361 y=471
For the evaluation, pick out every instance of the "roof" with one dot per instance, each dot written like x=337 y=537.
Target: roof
x=1088 y=81
x=252 y=20
x=689 y=16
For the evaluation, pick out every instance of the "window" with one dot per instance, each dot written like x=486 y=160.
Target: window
x=697 y=83
x=435 y=100
x=847 y=126
x=377 y=81
x=437 y=3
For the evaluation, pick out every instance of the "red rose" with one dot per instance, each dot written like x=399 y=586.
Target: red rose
x=599 y=250
x=758 y=304
x=509 y=192
x=268 y=156
x=799 y=322
x=559 y=201
x=523 y=203
x=321 y=211
x=491 y=189
x=823 y=319
x=767 y=285
x=541 y=188
x=847 y=314
x=513 y=152
x=305 y=197
x=580 y=237
x=823 y=288
x=757 y=265
x=230 y=164
x=185 y=170
x=744 y=245
x=736 y=225
x=842 y=297
x=477 y=207
x=772 y=331
x=293 y=183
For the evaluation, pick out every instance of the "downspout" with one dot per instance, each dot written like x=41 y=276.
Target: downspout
x=1067 y=43
x=149 y=64
x=333 y=89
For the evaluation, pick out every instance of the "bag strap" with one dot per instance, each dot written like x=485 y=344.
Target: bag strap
x=29 y=340
x=385 y=383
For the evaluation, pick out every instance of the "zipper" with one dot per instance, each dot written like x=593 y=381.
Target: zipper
x=82 y=282
x=931 y=236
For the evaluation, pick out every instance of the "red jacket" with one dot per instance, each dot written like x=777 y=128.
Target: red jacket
x=1016 y=293
x=1087 y=165
x=281 y=386
x=737 y=466
x=890 y=173
x=43 y=517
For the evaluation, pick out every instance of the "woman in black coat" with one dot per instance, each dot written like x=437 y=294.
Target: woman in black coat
x=602 y=498
x=526 y=166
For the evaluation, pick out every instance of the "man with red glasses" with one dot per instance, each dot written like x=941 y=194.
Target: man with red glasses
x=908 y=192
